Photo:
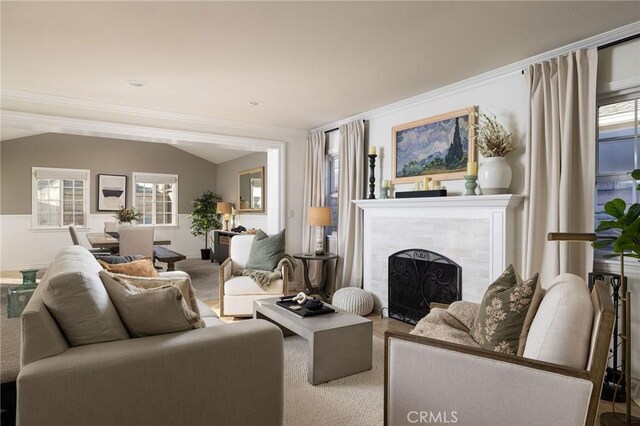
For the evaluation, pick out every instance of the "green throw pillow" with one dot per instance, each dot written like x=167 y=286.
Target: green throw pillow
x=266 y=251
x=503 y=311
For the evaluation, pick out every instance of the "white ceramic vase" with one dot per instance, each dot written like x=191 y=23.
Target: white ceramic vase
x=124 y=225
x=494 y=176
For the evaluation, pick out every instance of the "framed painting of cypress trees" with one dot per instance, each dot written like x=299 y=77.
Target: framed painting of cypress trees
x=437 y=147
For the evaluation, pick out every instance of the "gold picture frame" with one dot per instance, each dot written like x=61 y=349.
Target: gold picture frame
x=423 y=148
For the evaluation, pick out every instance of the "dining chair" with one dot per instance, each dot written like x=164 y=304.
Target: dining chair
x=136 y=241
x=110 y=227
x=76 y=242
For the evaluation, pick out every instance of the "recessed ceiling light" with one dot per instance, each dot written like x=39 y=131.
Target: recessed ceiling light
x=255 y=103
x=137 y=83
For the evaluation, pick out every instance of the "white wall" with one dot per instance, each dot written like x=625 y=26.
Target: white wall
x=506 y=96
x=24 y=248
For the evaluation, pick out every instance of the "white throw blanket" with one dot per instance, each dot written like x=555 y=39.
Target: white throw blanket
x=265 y=278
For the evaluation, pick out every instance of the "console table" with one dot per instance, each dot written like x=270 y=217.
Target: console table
x=220 y=245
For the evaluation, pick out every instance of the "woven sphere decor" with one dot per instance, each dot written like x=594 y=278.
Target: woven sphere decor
x=354 y=300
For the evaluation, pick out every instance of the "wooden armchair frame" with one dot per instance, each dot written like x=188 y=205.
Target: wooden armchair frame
x=602 y=302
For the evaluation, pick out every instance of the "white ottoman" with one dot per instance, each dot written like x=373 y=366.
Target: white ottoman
x=354 y=300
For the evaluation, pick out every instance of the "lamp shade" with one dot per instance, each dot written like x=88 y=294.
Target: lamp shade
x=224 y=207
x=319 y=216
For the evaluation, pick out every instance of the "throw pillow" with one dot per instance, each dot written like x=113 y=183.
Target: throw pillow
x=183 y=283
x=119 y=259
x=151 y=311
x=138 y=268
x=538 y=294
x=503 y=311
x=266 y=251
x=77 y=299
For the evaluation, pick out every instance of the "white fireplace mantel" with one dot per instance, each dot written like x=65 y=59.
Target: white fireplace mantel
x=477 y=232
x=506 y=201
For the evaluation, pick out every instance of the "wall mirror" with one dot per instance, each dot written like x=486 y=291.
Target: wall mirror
x=251 y=191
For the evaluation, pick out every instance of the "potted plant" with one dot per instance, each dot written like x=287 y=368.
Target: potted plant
x=126 y=215
x=625 y=243
x=205 y=218
x=494 y=143
x=627 y=221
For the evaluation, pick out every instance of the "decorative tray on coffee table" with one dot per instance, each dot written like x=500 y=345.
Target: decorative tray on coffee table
x=301 y=310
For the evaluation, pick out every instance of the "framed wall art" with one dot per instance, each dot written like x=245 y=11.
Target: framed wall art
x=436 y=147
x=112 y=192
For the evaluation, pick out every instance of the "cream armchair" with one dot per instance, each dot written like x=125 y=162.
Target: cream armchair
x=237 y=293
x=428 y=379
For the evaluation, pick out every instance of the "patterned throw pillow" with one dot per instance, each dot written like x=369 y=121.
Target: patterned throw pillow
x=503 y=311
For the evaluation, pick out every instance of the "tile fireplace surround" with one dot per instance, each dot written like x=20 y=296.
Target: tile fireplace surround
x=477 y=232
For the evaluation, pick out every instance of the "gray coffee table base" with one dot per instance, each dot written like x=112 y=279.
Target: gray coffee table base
x=340 y=344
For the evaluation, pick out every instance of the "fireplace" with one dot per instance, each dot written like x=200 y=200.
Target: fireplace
x=419 y=277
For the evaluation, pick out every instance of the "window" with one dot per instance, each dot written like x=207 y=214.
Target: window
x=156 y=197
x=332 y=163
x=618 y=154
x=60 y=197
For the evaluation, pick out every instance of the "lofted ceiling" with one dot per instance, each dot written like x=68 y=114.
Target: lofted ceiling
x=310 y=63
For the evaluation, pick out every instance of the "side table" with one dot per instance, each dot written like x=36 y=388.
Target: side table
x=324 y=271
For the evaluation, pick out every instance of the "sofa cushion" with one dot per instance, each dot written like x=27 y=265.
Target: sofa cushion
x=502 y=313
x=238 y=286
x=205 y=310
x=78 y=301
x=150 y=311
x=137 y=268
x=561 y=330
x=266 y=251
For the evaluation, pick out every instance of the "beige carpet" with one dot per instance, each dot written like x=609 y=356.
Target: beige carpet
x=354 y=400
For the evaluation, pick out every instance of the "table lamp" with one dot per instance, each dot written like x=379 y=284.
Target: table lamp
x=319 y=217
x=224 y=208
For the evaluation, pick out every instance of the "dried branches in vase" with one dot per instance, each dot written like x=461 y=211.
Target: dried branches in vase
x=493 y=139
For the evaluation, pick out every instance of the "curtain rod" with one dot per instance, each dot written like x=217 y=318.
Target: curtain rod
x=616 y=42
x=338 y=128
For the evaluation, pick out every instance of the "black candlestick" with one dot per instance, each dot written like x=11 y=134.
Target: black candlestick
x=372 y=176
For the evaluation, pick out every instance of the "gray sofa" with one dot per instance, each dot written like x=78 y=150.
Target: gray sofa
x=227 y=374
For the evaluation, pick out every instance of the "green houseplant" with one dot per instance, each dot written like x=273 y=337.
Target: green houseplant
x=205 y=218
x=627 y=242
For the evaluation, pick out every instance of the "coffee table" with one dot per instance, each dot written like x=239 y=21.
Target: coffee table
x=340 y=343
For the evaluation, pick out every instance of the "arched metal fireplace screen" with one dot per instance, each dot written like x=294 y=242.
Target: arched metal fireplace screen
x=419 y=277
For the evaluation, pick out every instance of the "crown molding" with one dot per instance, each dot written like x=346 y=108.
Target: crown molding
x=98 y=106
x=77 y=126
x=499 y=73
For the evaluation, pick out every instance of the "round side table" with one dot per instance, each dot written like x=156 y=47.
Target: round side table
x=324 y=271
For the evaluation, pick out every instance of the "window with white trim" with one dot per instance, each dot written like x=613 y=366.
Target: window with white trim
x=155 y=196
x=60 y=197
x=618 y=154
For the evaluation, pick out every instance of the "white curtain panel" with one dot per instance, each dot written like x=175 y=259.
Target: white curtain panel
x=352 y=177
x=313 y=186
x=561 y=145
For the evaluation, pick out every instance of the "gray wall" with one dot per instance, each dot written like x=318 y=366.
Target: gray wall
x=100 y=155
x=228 y=175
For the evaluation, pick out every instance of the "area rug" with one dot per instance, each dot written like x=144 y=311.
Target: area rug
x=354 y=400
